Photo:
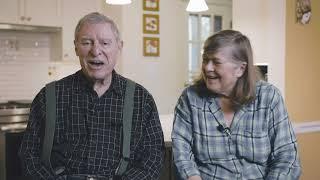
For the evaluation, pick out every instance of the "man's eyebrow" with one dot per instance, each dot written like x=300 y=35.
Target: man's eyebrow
x=85 y=38
x=105 y=39
x=88 y=38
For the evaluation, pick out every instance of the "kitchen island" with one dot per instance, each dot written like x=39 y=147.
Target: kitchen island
x=168 y=172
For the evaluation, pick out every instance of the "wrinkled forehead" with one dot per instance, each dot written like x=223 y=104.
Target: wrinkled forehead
x=226 y=51
x=101 y=29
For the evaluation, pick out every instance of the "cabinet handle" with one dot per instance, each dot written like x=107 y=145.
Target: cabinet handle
x=28 y=18
x=22 y=18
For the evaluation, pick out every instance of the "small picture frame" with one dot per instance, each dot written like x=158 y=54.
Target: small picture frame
x=303 y=11
x=151 y=46
x=151 y=5
x=151 y=23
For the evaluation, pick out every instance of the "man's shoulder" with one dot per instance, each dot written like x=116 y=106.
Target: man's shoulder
x=67 y=83
x=68 y=79
x=138 y=87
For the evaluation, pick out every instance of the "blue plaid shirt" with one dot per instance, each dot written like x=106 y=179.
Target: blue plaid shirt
x=260 y=144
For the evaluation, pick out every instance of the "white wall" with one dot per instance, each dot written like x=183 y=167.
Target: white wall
x=163 y=76
x=166 y=75
x=263 y=22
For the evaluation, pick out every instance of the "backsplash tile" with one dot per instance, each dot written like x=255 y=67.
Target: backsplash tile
x=24 y=61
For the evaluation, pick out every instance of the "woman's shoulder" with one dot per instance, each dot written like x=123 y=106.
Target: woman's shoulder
x=266 y=87
x=195 y=94
x=193 y=91
x=267 y=92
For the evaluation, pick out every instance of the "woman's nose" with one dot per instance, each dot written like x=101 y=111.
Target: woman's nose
x=209 y=66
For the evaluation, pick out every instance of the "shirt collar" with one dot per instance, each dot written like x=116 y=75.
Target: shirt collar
x=212 y=98
x=85 y=84
x=116 y=83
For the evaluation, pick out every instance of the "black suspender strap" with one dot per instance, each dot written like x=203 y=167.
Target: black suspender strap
x=126 y=127
x=126 y=124
x=49 y=124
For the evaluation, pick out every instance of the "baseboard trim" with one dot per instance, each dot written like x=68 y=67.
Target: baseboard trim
x=307 y=127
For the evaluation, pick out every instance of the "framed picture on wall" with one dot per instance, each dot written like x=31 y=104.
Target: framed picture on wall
x=303 y=11
x=151 y=23
x=151 y=46
x=151 y=5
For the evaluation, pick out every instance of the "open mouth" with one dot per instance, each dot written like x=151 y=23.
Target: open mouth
x=95 y=63
x=212 y=77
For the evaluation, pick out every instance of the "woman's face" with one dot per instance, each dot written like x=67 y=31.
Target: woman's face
x=221 y=72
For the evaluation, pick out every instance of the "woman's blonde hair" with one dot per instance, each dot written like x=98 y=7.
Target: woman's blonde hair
x=244 y=90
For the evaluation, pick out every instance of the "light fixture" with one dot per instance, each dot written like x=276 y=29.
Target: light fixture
x=197 y=6
x=118 y=2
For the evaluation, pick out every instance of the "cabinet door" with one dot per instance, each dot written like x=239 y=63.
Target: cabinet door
x=9 y=11
x=43 y=12
x=73 y=10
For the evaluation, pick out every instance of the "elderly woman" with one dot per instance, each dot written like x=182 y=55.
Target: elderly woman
x=230 y=125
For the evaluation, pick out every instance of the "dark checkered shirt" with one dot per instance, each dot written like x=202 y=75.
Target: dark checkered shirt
x=87 y=136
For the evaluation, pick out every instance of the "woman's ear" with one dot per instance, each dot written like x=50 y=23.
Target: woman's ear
x=241 y=69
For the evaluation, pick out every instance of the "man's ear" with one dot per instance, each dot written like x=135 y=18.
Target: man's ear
x=75 y=47
x=120 y=45
x=241 y=69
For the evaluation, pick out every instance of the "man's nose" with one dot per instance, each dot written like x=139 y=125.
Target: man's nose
x=96 y=49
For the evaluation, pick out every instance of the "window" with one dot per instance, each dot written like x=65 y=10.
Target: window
x=199 y=28
x=217 y=23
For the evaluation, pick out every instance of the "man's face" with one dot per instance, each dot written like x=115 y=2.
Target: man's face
x=98 y=50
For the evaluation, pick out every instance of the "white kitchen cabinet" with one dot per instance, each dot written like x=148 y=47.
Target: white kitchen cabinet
x=9 y=11
x=72 y=11
x=31 y=12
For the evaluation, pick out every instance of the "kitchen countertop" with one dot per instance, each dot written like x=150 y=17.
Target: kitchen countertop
x=166 y=123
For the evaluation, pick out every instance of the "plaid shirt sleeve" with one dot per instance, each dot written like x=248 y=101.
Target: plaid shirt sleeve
x=182 y=139
x=284 y=160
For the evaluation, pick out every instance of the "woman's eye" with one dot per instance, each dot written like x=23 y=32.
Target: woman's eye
x=216 y=62
x=205 y=60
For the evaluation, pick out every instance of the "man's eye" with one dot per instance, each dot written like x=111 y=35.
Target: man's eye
x=86 y=43
x=106 y=43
